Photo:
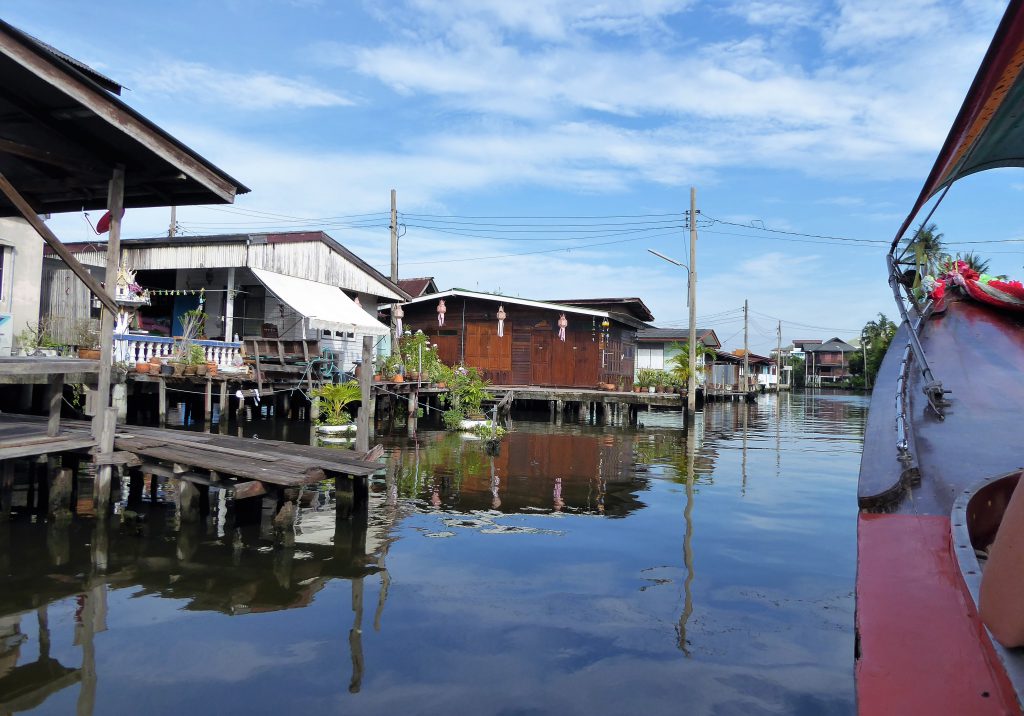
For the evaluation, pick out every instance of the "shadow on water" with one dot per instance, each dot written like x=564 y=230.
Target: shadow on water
x=582 y=569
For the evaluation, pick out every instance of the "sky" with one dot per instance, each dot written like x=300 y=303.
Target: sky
x=539 y=148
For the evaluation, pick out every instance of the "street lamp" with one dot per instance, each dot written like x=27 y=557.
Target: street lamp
x=691 y=381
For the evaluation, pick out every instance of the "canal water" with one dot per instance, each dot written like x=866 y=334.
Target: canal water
x=582 y=570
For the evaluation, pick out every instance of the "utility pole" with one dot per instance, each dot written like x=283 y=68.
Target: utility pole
x=394 y=269
x=746 y=352
x=394 y=237
x=864 y=348
x=173 y=228
x=691 y=381
x=778 y=359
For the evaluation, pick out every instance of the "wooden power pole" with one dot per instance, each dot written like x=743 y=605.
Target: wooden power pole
x=691 y=381
x=778 y=358
x=172 y=230
x=394 y=269
x=746 y=351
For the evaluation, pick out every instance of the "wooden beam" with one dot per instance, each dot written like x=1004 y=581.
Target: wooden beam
x=118 y=457
x=29 y=214
x=119 y=115
x=44 y=156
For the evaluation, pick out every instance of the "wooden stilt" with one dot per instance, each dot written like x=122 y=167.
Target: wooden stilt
x=162 y=401
x=6 y=489
x=411 y=415
x=188 y=501
x=59 y=501
x=208 y=403
x=119 y=400
x=101 y=487
x=223 y=401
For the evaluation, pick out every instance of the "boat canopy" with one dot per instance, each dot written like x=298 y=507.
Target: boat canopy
x=324 y=306
x=989 y=130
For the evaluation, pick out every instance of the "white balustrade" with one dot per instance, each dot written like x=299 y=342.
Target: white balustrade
x=140 y=348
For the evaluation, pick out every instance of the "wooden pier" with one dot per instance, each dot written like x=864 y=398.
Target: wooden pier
x=274 y=470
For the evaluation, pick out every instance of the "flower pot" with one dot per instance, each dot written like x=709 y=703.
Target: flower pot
x=211 y=368
x=178 y=368
x=442 y=384
x=89 y=353
x=377 y=377
x=142 y=367
x=155 y=360
x=201 y=369
x=651 y=389
x=189 y=370
x=166 y=370
x=399 y=378
x=636 y=388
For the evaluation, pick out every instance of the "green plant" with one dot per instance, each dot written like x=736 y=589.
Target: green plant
x=334 y=398
x=467 y=391
x=453 y=418
x=391 y=366
x=678 y=363
x=417 y=352
x=195 y=356
x=84 y=334
x=36 y=336
x=647 y=377
x=197 y=318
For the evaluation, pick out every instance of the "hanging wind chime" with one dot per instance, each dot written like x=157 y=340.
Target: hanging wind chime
x=501 y=321
x=563 y=322
x=441 y=310
x=399 y=314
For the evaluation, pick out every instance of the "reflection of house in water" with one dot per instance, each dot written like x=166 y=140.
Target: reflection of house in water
x=533 y=472
x=208 y=567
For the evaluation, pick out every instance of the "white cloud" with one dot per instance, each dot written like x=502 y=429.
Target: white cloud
x=237 y=91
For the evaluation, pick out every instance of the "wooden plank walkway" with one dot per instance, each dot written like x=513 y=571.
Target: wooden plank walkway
x=268 y=461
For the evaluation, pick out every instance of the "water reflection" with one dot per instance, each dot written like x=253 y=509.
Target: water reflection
x=583 y=569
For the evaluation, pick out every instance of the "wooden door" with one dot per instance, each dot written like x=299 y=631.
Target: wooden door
x=586 y=355
x=540 y=357
x=562 y=361
x=490 y=353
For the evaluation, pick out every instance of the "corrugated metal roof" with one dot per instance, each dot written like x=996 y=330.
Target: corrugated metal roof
x=664 y=335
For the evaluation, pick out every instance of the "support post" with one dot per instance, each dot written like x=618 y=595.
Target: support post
x=162 y=402
x=410 y=420
x=188 y=501
x=6 y=489
x=101 y=487
x=119 y=400
x=208 y=403
x=59 y=502
x=229 y=306
x=55 y=397
x=364 y=423
x=223 y=401
x=691 y=381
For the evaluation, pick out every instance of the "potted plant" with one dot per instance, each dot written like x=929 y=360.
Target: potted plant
x=86 y=339
x=195 y=361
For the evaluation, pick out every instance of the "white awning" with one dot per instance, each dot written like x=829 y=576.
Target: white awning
x=325 y=307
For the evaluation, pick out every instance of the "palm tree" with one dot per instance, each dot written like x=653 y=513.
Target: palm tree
x=679 y=364
x=975 y=261
x=926 y=245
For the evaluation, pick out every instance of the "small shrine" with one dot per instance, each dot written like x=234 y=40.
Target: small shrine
x=126 y=291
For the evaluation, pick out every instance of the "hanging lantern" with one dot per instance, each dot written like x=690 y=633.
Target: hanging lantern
x=563 y=322
x=501 y=321
x=399 y=314
x=356 y=301
x=441 y=310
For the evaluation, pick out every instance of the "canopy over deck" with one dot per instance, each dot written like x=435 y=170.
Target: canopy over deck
x=325 y=307
x=989 y=130
x=63 y=130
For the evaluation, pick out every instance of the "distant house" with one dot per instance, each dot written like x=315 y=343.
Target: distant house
x=657 y=346
x=596 y=346
x=826 y=362
x=292 y=285
x=417 y=287
x=761 y=369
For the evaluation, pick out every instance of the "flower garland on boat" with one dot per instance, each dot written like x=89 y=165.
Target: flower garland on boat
x=995 y=291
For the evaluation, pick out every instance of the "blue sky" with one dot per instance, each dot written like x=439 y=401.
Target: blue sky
x=814 y=117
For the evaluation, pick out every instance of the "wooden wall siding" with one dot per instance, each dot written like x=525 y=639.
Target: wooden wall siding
x=311 y=260
x=530 y=353
x=315 y=261
x=64 y=300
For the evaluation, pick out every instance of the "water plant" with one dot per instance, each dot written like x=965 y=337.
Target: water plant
x=334 y=399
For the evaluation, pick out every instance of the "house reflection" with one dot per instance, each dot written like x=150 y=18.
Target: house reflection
x=234 y=571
